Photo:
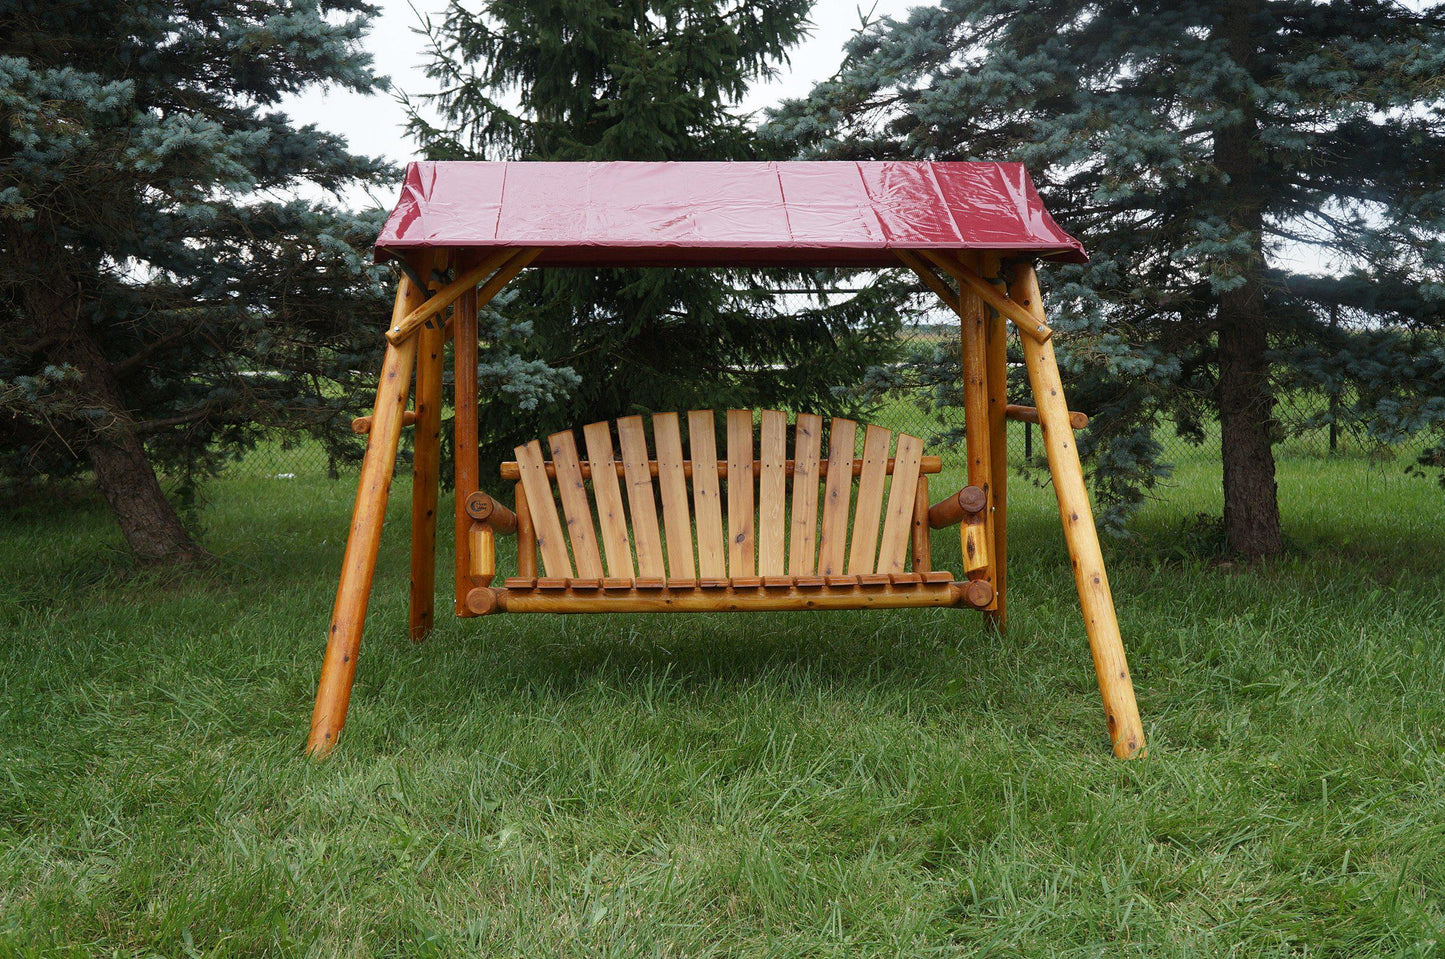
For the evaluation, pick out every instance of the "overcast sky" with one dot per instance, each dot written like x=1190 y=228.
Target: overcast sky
x=373 y=125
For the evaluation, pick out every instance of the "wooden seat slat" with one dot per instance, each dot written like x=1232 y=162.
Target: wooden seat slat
x=772 y=527
x=645 y=533
x=676 y=515
x=863 y=550
x=555 y=561
x=707 y=501
x=742 y=556
x=611 y=516
x=837 y=497
x=893 y=551
x=807 y=443
x=572 y=490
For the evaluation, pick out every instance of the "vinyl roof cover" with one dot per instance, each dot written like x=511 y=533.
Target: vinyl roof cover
x=811 y=213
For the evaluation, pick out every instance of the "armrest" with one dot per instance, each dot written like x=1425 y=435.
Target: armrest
x=484 y=509
x=967 y=502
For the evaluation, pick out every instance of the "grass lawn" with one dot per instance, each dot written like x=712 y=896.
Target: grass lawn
x=785 y=784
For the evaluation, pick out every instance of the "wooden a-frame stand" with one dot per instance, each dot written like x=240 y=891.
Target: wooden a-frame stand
x=416 y=340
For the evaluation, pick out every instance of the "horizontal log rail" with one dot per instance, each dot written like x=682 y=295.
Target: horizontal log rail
x=484 y=509
x=592 y=596
x=1029 y=414
x=362 y=424
x=969 y=501
x=927 y=464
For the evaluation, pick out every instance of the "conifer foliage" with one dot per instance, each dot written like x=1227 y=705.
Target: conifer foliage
x=1261 y=184
x=164 y=294
x=586 y=80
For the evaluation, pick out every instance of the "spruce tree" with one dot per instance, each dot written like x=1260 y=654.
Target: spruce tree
x=590 y=80
x=1202 y=150
x=166 y=295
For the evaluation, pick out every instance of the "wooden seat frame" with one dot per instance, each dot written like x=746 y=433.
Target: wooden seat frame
x=980 y=288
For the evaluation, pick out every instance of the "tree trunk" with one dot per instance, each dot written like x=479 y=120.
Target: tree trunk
x=123 y=473
x=1246 y=416
x=1246 y=405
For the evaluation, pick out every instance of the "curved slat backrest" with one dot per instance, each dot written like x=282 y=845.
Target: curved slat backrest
x=775 y=524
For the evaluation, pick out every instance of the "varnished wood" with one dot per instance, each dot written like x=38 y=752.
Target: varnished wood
x=997 y=369
x=646 y=535
x=611 y=516
x=976 y=532
x=893 y=552
x=955 y=265
x=482 y=507
x=576 y=507
x=930 y=465
x=482 y=540
x=807 y=444
x=672 y=485
x=837 y=497
x=920 y=546
x=863 y=547
x=362 y=424
x=466 y=468
x=772 y=527
x=512 y=264
x=706 y=498
x=425 y=481
x=742 y=549
x=952 y=510
x=730 y=598
x=358 y=563
x=1028 y=414
x=1100 y=620
x=545 y=524
x=526 y=534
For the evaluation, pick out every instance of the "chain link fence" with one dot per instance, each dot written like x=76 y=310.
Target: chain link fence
x=1309 y=427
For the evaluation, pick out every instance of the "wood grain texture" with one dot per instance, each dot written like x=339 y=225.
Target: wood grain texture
x=920 y=545
x=773 y=494
x=576 y=507
x=646 y=536
x=526 y=534
x=863 y=548
x=611 y=516
x=1100 y=621
x=466 y=472
x=358 y=563
x=672 y=480
x=807 y=445
x=742 y=549
x=543 y=509
x=837 y=498
x=893 y=552
x=706 y=498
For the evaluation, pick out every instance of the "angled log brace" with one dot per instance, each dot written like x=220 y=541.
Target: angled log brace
x=506 y=264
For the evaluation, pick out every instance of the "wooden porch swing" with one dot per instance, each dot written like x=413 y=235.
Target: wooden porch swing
x=762 y=523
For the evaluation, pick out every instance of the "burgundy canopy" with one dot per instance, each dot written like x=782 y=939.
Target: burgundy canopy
x=723 y=214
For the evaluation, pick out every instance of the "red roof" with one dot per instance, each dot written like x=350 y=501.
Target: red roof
x=823 y=213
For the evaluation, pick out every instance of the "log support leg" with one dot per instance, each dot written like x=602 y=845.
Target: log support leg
x=997 y=371
x=464 y=445
x=1120 y=708
x=977 y=532
x=338 y=669
x=426 y=477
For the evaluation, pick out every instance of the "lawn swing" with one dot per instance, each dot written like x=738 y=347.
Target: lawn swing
x=763 y=517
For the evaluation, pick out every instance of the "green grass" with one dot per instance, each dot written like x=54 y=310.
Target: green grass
x=792 y=784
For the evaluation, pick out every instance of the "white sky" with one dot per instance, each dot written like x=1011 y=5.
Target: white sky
x=373 y=125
